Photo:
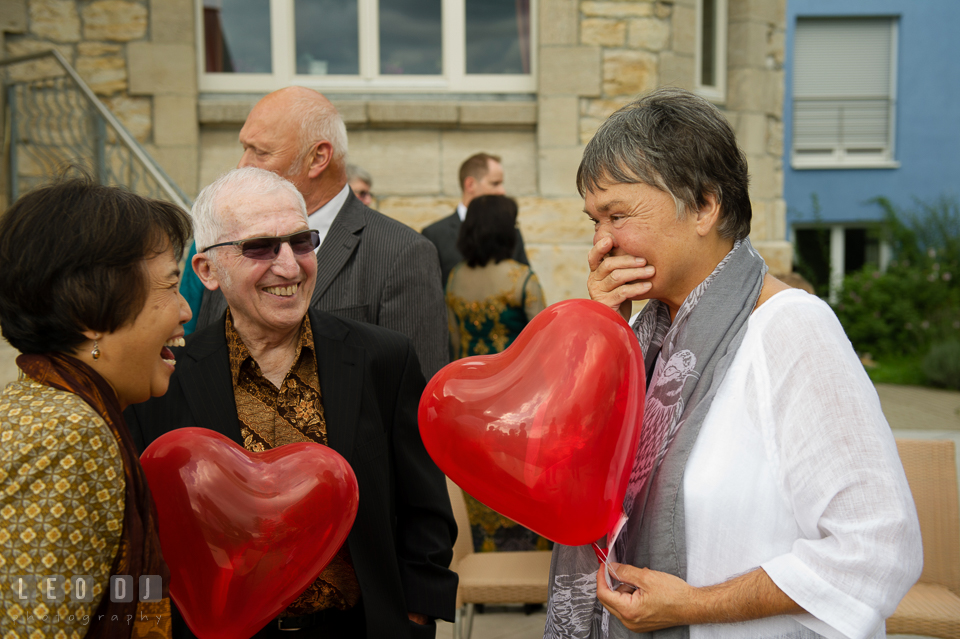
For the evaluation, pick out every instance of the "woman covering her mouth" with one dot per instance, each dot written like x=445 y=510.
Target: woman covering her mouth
x=89 y=294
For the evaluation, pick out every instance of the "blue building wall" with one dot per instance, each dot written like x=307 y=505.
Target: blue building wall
x=927 y=130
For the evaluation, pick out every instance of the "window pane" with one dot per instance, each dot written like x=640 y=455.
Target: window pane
x=410 y=37
x=708 y=48
x=237 y=36
x=327 y=37
x=498 y=36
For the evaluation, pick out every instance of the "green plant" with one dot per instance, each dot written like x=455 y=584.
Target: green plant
x=916 y=302
x=941 y=366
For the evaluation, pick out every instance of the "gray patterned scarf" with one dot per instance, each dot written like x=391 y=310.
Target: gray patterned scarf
x=685 y=363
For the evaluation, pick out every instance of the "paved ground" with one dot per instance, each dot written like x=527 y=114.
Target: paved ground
x=913 y=412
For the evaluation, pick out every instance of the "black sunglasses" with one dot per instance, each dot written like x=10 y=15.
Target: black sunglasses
x=267 y=248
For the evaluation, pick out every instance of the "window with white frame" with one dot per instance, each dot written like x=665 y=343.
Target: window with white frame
x=459 y=46
x=711 y=58
x=844 y=92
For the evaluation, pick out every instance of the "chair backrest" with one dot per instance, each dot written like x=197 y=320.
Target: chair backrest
x=931 y=470
x=464 y=543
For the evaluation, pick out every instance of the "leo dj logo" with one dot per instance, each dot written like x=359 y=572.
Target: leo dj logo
x=79 y=588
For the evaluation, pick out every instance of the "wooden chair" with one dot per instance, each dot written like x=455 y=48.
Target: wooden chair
x=932 y=606
x=492 y=577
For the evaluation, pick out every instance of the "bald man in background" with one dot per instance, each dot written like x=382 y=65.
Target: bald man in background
x=370 y=268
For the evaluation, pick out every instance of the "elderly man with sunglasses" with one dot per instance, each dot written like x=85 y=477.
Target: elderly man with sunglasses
x=271 y=371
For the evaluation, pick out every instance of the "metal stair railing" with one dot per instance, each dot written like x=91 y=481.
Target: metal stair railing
x=55 y=124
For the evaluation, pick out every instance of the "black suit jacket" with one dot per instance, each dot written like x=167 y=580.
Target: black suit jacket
x=402 y=540
x=371 y=268
x=443 y=233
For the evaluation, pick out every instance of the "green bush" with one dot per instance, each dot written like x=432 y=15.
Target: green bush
x=941 y=366
x=916 y=302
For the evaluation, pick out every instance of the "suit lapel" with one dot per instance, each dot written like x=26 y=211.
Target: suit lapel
x=206 y=382
x=340 y=368
x=339 y=244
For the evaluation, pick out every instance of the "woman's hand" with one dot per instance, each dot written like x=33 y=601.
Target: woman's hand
x=659 y=601
x=616 y=280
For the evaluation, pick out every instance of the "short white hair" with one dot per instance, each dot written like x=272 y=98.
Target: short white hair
x=319 y=120
x=207 y=213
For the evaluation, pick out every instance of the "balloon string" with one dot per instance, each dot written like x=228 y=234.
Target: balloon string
x=602 y=558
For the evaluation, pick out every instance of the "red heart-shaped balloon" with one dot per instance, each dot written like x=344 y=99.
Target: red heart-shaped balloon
x=545 y=432
x=245 y=533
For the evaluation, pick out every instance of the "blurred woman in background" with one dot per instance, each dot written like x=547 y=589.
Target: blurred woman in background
x=490 y=299
x=89 y=279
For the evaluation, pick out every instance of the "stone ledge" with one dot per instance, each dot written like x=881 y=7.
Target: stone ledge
x=390 y=113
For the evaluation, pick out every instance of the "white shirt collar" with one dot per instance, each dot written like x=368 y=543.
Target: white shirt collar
x=462 y=211
x=322 y=218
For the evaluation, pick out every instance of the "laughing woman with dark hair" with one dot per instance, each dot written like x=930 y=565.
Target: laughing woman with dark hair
x=89 y=295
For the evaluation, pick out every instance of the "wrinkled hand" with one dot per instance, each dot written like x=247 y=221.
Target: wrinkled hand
x=659 y=601
x=616 y=280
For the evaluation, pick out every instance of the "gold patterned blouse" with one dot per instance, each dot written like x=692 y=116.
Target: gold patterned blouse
x=488 y=306
x=61 y=506
x=270 y=417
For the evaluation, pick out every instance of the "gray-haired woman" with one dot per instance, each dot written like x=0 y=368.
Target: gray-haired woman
x=767 y=488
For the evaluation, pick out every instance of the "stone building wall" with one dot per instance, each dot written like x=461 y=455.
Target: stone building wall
x=138 y=56
x=594 y=56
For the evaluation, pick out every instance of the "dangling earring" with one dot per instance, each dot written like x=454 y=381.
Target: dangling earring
x=95 y=353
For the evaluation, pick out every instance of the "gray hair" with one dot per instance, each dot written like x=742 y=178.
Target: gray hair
x=319 y=120
x=679 y=143
x=207 y=214
x=355 y=172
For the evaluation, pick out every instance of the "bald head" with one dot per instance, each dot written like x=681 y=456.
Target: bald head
x=297 y=133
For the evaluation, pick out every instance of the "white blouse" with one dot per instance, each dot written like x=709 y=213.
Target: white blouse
x=795 y=470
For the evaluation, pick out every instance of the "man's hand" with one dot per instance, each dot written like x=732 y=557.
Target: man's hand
x=416 y=617
x=662 y=600
x=615 y=280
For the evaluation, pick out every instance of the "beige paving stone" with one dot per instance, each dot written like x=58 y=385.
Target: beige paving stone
x=755 y=90
x=95 y=49
x=224 y=111
x=588 y=128
x=410 y=112
x=651 y=34
x=55 y=20
x=171 y=21
x=751 y=130
x=415 y=212
x=684 y=24
x=769 y=219
x=677 y=70
x=663 y=10
x=517 y=151
x=353 y=112
x=641 y=8
x=43 y=68
x=629 y=72
x=157 y=69
x=134 y=113
x=570 y=70
x=175 y=118
x=603 y=31
x=219 y=152
x=603 y=108
x=558 y=121
x=105 y=75
x=558 y=171
x=115 y=20
x=774 y=136
x=402 y=162
x=558 y=22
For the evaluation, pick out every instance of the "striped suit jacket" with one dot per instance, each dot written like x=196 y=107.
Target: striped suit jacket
x=401 y=543
x=371 y=268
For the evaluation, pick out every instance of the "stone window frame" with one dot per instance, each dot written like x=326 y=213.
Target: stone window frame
x=839 y=157
x=454 y=78
x=716 y=92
